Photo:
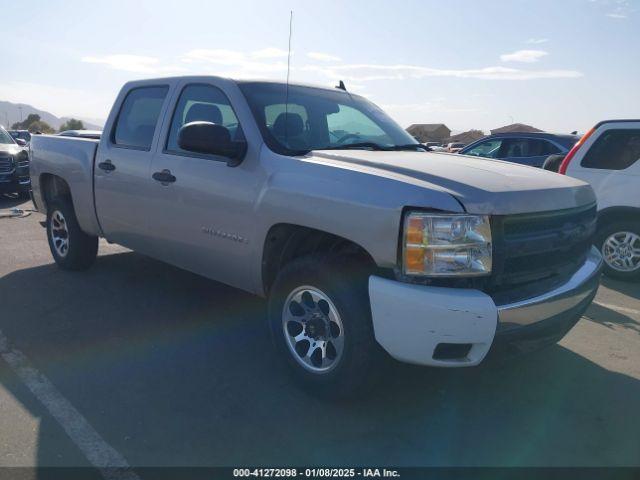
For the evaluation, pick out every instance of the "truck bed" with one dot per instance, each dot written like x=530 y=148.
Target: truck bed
x=71 y=159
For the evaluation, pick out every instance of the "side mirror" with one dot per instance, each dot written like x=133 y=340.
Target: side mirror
x=211 y=139
x=20 y=142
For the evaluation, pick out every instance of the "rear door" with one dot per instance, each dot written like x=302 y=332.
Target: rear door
x=123 y=160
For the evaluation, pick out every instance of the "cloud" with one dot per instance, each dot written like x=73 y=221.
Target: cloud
x=537 y=41
x=617 y=9
x=524 y=56
x=323 y=57
x=232 y=57
x=128 y=63
x=133 y=63
x=432 y=106
x=269 y=52
x=372 y=72
x=271 y=63
x=236 y=64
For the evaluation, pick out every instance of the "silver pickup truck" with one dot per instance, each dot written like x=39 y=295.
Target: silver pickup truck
x=362 y=240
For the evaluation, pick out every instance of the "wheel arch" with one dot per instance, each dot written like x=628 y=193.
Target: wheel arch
x=617 y=214
x=285 y=242
x=53 y=186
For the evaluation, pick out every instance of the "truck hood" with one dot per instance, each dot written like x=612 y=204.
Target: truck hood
x=482 y=186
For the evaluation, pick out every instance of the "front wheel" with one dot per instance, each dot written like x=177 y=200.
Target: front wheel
x=72 y=249
x=619 y=244
x=320 y=322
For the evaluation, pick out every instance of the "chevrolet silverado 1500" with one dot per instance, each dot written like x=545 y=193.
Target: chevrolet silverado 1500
x=362 y=240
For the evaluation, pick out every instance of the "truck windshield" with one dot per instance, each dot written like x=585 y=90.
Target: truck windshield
x=308 y=118
x=5 y=138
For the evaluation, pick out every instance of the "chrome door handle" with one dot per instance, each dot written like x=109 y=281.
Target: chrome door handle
x=164 y=177
x=107 y=166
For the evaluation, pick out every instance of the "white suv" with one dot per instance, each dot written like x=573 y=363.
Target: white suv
x=608 y=157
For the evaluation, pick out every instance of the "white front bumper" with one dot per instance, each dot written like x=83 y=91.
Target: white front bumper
x=411 y=320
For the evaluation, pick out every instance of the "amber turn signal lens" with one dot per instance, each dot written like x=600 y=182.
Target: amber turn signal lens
x=415 y=231
x=414 y=259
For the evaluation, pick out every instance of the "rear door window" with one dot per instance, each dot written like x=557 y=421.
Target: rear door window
x=138 y=117
x=614 y=150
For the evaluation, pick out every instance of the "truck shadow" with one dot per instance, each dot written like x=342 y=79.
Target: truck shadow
x=631 y=289
x=13 y=200
x=607 y=317
x=174 y=369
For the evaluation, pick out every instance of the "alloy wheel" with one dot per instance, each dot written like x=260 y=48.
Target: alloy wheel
x=621 y=251
x=313 y=329
x=59 y=233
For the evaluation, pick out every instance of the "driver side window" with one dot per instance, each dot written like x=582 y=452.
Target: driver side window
x=201 y=103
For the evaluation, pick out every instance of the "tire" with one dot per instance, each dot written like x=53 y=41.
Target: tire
x=79 y=251
x=627 y=235
x=552 y=163
x=347 y=336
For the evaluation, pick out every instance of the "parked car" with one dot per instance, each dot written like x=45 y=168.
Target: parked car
x=608 y=157
x=524 y=148
x=93 y=134
x=361 y=246
x=23 y=135
x=14 y=166
x=454 y=147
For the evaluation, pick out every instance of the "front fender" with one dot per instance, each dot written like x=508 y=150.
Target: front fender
x=365 y=209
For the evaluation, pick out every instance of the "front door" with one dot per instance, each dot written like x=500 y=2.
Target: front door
x=203 y=219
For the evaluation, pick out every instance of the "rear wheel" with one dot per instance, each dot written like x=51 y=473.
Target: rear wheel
x=619 y=244
x=72 y=249
x=320 y=322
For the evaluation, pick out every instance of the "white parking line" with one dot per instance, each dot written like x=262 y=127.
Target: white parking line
x=99 y=453
x=631 y=311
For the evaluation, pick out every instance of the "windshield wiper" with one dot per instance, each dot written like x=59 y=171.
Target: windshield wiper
x=376 y=146
x=371 y=145
x=410 y=146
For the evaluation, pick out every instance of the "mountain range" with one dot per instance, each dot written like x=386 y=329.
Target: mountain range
x=11 y=113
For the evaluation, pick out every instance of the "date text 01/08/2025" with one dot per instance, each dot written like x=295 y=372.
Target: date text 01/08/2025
x=316 y=473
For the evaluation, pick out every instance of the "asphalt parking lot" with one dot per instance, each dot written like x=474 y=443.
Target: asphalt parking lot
x=169 y=368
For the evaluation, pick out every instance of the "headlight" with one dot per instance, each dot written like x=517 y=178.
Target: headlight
x=446 y=245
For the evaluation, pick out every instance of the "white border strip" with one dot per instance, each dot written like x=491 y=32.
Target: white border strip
x=99 y=453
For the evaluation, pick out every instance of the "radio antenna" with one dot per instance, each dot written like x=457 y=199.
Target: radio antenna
x=286 y=102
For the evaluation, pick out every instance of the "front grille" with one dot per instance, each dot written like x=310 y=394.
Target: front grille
x=533 y=253
x=540 y=247
x=6 y=164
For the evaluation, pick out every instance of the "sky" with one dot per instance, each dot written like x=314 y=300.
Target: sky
x=559 y=65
